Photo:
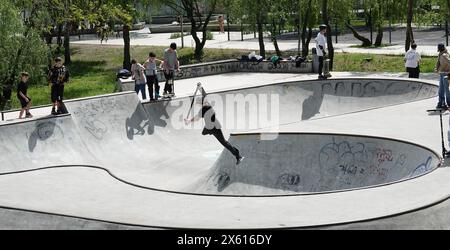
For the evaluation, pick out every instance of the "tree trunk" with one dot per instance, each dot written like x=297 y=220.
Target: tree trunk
x=259 y=22
x=192 y=12
x=198 y=53
x=365 y=41
x=306 y=24
x=48 y=37
x=274 y=38
x=379 y=38
x=59 y=39
x=409 y=32
x=67 y=58
x=307 y=42
x=329 y=38
x=126 y=48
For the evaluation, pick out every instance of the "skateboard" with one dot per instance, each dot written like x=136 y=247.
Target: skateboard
x=437 y=111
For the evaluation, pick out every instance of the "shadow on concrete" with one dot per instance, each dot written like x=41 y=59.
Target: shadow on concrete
x=311 y=106
x=44 y=131
x=148 y=115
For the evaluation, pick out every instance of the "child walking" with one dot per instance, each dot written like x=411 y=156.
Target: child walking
x=25 y=101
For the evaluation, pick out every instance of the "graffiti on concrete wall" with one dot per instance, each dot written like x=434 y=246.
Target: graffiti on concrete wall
x=289 y=181
x=267 y=67
x=422 y=168
x=353 y=162
x=370 y=88
x=231 y=66
x=206 y=70
x=92 y=115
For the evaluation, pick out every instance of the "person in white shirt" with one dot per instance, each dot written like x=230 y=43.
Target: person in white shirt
x=321 y=42
x=412 y=62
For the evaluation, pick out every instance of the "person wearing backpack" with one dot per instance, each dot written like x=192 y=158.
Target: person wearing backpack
x=137 y=71
x=443 y=68
x=58 y=76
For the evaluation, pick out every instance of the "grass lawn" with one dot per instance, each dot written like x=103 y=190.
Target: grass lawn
x=377 y=63
x=94 y=67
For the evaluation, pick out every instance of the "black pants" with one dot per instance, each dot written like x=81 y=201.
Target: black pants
x=413 y=72
x=320 y=65
x=219 y=136
x=153 y=81
x=168 y=88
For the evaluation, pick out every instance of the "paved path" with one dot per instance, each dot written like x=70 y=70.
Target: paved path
x=346 y=44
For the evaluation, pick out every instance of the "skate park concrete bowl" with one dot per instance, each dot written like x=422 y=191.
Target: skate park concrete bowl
x=292 y=163
x=114 y=159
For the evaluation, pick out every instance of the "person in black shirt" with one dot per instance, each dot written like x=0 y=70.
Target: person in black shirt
x=25 y=101
x=213 y=127
x=58 y=75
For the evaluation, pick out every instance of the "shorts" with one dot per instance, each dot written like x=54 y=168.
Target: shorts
x=57 y=93
x=24 y=103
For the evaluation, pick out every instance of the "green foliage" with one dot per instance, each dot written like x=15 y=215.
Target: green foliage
x=178 y=35
x=199 y=13
x=209 y=35
x=349 y=62
x=21 y=46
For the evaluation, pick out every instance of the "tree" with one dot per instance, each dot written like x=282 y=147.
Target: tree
x=409 y=31
x=310 y=18
x=375 y=12
x=253 y=12
x=278 y=11
x=194 y=9
x=21 y=46
x=112 y=12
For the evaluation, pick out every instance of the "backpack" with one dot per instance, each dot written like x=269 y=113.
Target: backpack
x=245 y=58
x=298 y=61
x=123 y=74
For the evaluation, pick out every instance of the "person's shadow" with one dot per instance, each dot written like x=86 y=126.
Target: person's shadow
x=43 y=132
x=157 y=113
x=148 y=115
x=311 y=106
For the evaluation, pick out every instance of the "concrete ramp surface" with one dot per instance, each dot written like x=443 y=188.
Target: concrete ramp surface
x=149 y=146
x=306 y=163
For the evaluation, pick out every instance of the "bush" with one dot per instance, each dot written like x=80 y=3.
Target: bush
x=178 y=35
x=209 y=35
